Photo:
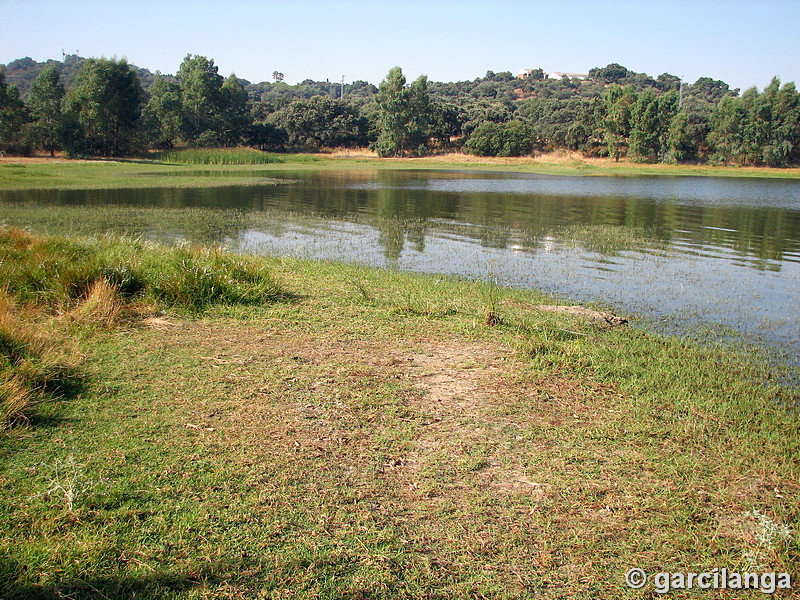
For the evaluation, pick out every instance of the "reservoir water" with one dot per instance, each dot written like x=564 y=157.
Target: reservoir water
x=715 y=258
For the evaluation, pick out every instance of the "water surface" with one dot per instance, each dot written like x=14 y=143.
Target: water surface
x=717 y=257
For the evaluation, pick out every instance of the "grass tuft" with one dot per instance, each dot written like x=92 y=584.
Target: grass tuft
x=16 y=400
x=101 y=306
x=197 y=277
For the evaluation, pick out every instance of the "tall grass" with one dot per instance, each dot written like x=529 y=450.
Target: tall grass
x=219 y=156
x=58 y=273
x=52 y=288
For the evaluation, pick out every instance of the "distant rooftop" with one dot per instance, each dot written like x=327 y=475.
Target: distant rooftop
x=559 y=75
x=526 y=73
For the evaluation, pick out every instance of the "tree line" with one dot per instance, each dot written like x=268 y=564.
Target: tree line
x=107 y=107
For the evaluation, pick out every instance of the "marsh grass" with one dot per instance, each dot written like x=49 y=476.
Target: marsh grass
x=490 y=290
x=609 y=239
x=219 y=156
x=58 y=273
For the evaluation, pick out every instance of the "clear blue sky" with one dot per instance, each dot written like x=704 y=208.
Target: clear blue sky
x=742 y=42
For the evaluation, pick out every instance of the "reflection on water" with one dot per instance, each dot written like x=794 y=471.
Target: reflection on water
x=682 y=252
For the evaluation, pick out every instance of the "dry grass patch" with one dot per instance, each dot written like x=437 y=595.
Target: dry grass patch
x=36 y=359
x=445 y=452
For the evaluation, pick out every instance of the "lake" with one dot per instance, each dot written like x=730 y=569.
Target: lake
x=714 y=258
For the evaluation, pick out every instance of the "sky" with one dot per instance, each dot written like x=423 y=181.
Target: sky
x=742 y=42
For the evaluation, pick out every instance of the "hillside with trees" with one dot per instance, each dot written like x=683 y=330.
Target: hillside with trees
x=108 y=107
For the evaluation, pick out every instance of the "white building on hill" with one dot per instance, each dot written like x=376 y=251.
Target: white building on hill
x=559 y=75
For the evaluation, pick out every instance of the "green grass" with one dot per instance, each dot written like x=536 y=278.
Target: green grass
x=56 y=272
x=622 y=169
x=219 y=156
x=375 y=438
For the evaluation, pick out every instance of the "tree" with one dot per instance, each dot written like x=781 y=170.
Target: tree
x=513 y=138
x=163 y=114
x=45 y=98
x=678 y=142
x=446 y=121
x=786 y=145
x=321 y=122
x=775 y=124
x=613 y=73
x=106 y=102
x=265 y=136
x=234 y=117
x=618 y=103
x=200 y=89
x=710 y=89
x=12 y=116
x=403 y=115
x=728 y=123
x=756 y=128
x=650 y=122
x=689 y=128
x=666 y=82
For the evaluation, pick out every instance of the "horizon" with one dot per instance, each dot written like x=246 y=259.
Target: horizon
x=744 y=43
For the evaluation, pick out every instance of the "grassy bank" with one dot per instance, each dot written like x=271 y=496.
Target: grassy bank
x=358 y=433
x=206 y=168
x=53 y=287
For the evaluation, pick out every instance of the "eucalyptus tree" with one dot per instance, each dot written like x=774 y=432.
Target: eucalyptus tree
x=404 y=115
x=689 y=132
x=775 y=124
x=12 y=116
x=233 y=112
x=44 y=100
x=651 y=118
x=106 y=103
x=618 y=104
x=200 y=87
x=163 y=112
x=728 y=124
x=757 y=128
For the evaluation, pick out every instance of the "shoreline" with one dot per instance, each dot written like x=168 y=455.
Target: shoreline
x=44 y=172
